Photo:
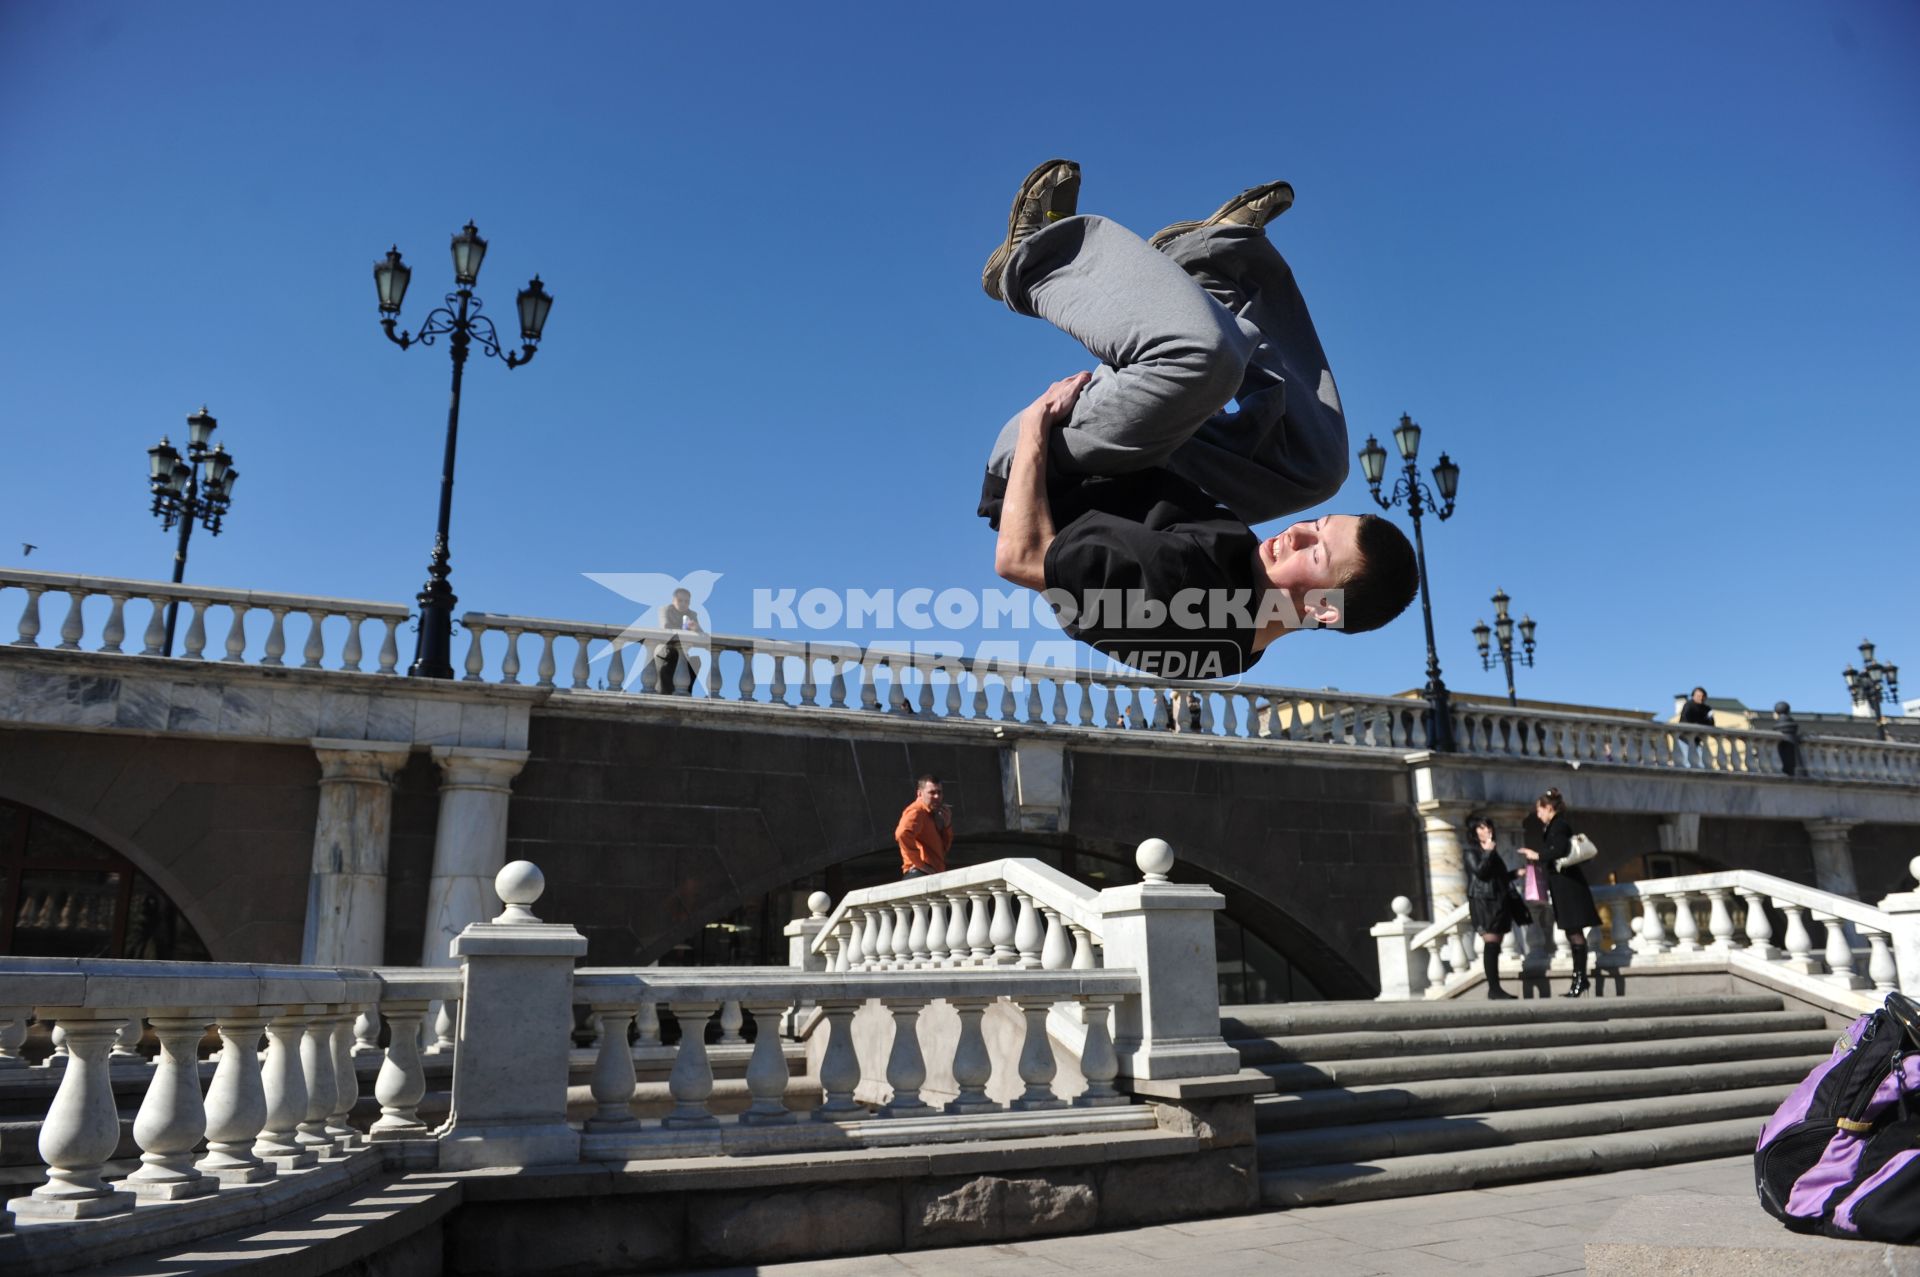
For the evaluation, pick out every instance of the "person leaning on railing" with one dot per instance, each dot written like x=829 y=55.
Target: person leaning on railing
x=925 y=831
x=1694 y=713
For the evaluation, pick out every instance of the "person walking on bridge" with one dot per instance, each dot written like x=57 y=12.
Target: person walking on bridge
x=1487 y=896
x=925 y=831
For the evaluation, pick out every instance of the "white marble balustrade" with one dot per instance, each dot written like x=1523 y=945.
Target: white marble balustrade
x=1852 y=954
x=199 y=606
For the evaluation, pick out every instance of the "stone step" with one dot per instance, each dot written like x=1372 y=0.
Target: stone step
x=1537 y=1159
x=1410 y=1136
x=1285 y=1019
x=1557 y=1059
x=1315 y=1047
x=1440 y=1097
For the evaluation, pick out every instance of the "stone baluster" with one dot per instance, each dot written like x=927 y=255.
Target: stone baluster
x=1800 y=955
x=767 y=1067
x=197 y=631
x=390 y=646
x=510 y=663
x=853 y=954
x=116 y=629
x=691 y=1082
x=1759 y=927
x=73 y=628
x=840 y=1063
x=402 y=1080
x=879 y=945
x=476 y=662
x=1653 y=935
x=979 y=927
x=777 y=687
x=1055 y=953
x=445 y=1022
x=172 y=1118
x=956 y=928
x=1028 y=934
x=1456 y=953
x=937 y=931
x=286 y=1090
x=1037 y=1065
x=61 y=1057
x=731 y=1020
x=323 y=1087
x=1007 y=711
x=617 y=665
x=834 y=945
x=1839 y=954
x=28 y=627
x=366 y=1032
x=1083 y=959
x=1720 y=921
x=276 y=649
x=582 y=675
x=236 y=1103
x=346 y=1083
x=236 y=635
x=972 y=1065
x=902 y=936
x=156 y=632
x=544 y=668
x=906 y=1067
x=1686 y=929
x=1881 y=968
x=919 y=948
x=1098 y=1063
x=350 y=654
x=613 y=1076
x=1436 y=969
x=13 y=1031
x=315 y=651
x=126 y=1044
x=81 y=1129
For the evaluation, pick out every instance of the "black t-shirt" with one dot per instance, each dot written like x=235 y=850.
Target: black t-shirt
x=1155 y=574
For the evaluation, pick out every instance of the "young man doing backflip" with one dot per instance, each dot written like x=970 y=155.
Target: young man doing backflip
x=1127 y=493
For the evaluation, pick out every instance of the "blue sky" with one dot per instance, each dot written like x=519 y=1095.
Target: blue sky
x=1648 y=272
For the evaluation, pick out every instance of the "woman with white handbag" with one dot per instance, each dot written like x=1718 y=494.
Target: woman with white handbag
x=1558 y=859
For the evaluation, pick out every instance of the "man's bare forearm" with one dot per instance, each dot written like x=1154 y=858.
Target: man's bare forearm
x=1026 y=521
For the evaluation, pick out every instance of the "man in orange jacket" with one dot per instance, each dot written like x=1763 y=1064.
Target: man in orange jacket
x=925 y=831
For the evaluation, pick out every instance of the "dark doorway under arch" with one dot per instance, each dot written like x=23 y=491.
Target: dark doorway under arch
x=66 y=894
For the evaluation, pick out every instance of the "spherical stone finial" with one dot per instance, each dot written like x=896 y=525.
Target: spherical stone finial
x=1636 y=924
x=1402 y=908
x=818 y=904
x=1913 y=868
x=1155 y=858
x=518 y=884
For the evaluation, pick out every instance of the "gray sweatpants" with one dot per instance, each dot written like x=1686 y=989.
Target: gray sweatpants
x=1209 y=364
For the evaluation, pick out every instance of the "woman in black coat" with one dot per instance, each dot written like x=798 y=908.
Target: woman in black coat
x=1573 y=908
x=1487 y=876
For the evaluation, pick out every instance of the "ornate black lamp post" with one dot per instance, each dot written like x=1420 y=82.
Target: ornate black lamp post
x=461 y=320
x=198 y=487
x=1873 y=685
x=1411 y=490
x=1503 y=626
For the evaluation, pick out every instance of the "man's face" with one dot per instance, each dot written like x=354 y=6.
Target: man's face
x=931 y=794
x=1317 y=555
x=1699 y=697
x=682 y=599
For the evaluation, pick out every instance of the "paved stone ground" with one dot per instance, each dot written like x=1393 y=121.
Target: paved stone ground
x=1518 y=1230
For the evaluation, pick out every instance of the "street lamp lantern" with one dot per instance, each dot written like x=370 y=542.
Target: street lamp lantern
x=469 y=250
x=1503 y=630
x=1411 y=490
x=534 y=304
x=391 y=278
x=1373 y=461
x=460 y=320
x=1875 y=683
x=1406 y=437
x=190 y=489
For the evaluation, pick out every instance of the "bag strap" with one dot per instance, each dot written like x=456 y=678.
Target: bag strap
x=1905 y=1012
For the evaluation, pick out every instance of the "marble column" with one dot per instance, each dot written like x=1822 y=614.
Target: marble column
x=1833 y=857
x=1445 y=829
x=347 y=892
x=470 y=843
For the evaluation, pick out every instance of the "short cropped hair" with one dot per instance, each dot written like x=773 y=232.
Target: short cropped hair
x=1386 y=580
x=925 y=779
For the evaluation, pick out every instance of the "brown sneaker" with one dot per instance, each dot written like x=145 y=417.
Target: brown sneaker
x=1050 y=193
x=1255 y=206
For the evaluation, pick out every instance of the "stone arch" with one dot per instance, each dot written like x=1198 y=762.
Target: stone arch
x=191 y=908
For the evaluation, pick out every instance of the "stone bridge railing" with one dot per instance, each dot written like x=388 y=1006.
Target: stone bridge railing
x=910 y=1051
x=589 y=659
x=1851 y=956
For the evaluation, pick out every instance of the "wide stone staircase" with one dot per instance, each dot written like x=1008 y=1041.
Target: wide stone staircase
x=1386 y=1099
